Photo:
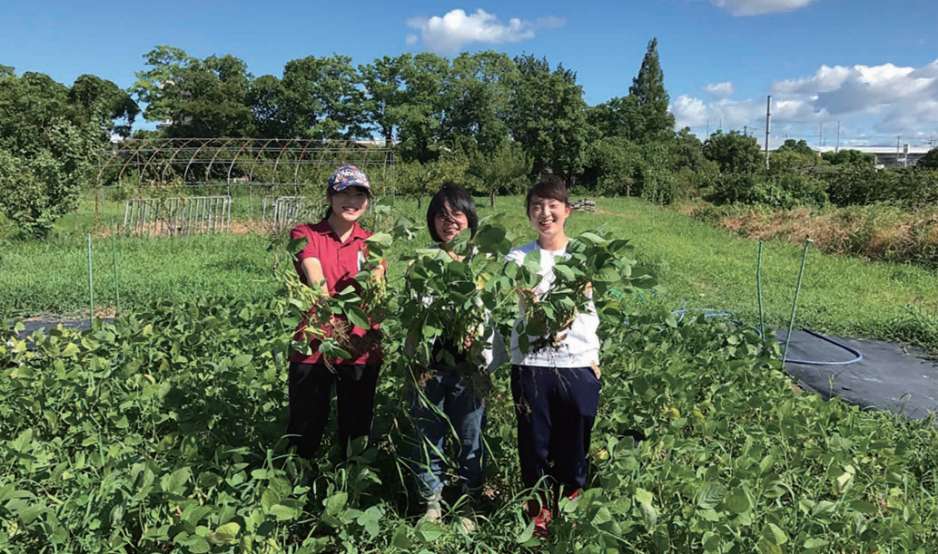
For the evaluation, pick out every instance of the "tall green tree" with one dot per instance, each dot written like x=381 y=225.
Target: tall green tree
x=195 y=98
x=102 y=100
x=478 y=99
x=548 y=117
x=385 y=95
x=423 y=113
x=322 y=99
x=617 y=117
x=267 y=102
x=650 y=97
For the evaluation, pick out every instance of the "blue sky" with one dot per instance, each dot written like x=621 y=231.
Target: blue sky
x=872 y=66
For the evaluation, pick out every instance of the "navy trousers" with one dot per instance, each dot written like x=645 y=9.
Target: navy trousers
x=310 y=397
x=556 y=408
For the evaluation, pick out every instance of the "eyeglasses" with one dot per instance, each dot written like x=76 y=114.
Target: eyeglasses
x=454 y=216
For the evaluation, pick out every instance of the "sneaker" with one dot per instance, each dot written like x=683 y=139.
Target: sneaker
x=541 y=521
x=434 y=511
x=468 y=524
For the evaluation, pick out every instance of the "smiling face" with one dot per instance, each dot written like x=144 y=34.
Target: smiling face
x=548 y=216
x=448 y=223
x=349 y=204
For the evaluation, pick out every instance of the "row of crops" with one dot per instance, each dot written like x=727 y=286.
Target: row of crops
x=164 y=432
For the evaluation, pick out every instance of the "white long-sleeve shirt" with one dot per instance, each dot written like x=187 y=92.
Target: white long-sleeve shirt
x=580 y=345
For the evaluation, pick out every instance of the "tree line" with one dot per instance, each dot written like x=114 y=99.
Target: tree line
x=485 y=119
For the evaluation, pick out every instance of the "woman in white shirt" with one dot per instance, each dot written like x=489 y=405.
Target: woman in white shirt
x=554 y=382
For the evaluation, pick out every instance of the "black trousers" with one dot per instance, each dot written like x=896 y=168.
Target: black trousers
x=556 y=408
x=310 y=397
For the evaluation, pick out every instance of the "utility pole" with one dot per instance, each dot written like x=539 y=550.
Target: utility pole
x=820 y=134
x=837 y=145
x=768 y=118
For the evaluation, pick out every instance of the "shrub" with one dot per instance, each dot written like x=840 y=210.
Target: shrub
x=784 y=191
x=859 y=185
x=734 y=152
x=38 y=188
x=614 y=165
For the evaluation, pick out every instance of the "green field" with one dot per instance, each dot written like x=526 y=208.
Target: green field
x=164 y=431
x=699 y=267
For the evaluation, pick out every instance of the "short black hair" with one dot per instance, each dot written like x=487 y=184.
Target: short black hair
x=549 y=187
x=458 y=200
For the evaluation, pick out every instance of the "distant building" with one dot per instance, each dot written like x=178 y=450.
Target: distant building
x=887 y=156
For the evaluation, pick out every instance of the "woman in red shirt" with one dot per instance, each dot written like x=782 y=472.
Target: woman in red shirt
x=334 y=251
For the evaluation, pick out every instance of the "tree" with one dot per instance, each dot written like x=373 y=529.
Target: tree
x=322 y=99
x=423 y=113
x=614 y=165
x=266 y=99
x=548 y=117
x=848 y=157
x=686 y=151
x=734 y=152
x=477 y=97
x=618 y=117
x=651 y=98
x=504 y=171
x=46 y=151
x=929 y=160
x=195 y=98
x=383 y=80
x=105 y=102
x=796 y=146
x=153 y=86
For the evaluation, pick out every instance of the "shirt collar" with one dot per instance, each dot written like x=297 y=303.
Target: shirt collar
x=323 y=228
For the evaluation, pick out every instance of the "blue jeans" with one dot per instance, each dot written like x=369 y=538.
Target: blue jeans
x=447 y=406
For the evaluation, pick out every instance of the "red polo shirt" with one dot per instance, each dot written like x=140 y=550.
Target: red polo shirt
x=341 y=261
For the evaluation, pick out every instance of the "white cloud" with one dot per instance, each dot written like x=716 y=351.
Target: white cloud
x=689 y=112
x=450 y=32
x=870 y=101
x=720 y=89
x=759 y=7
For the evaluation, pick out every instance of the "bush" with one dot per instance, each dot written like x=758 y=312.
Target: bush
x=734 y=152
x=658 y=185
x=37 y=189
x=784 y=191
x=423 y=179
x=859 y=185
x=614 y=164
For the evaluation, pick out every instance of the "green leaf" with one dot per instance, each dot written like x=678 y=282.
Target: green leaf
x=370 y=520
x=813 y=544
x=336 y=503
x=381 y=239
x=284 y=513
x=564 y=272
x=774 y=534
x=649 y=513
x=710 y=495
x=225 y=534
x=739 y=502
x=175 y=482
x=357 y=317
x=430 y=531
x=526 y=534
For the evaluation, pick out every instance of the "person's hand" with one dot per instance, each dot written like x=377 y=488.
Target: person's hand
x=596 y=371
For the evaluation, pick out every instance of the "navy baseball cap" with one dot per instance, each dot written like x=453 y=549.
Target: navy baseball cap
x=347 y=176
